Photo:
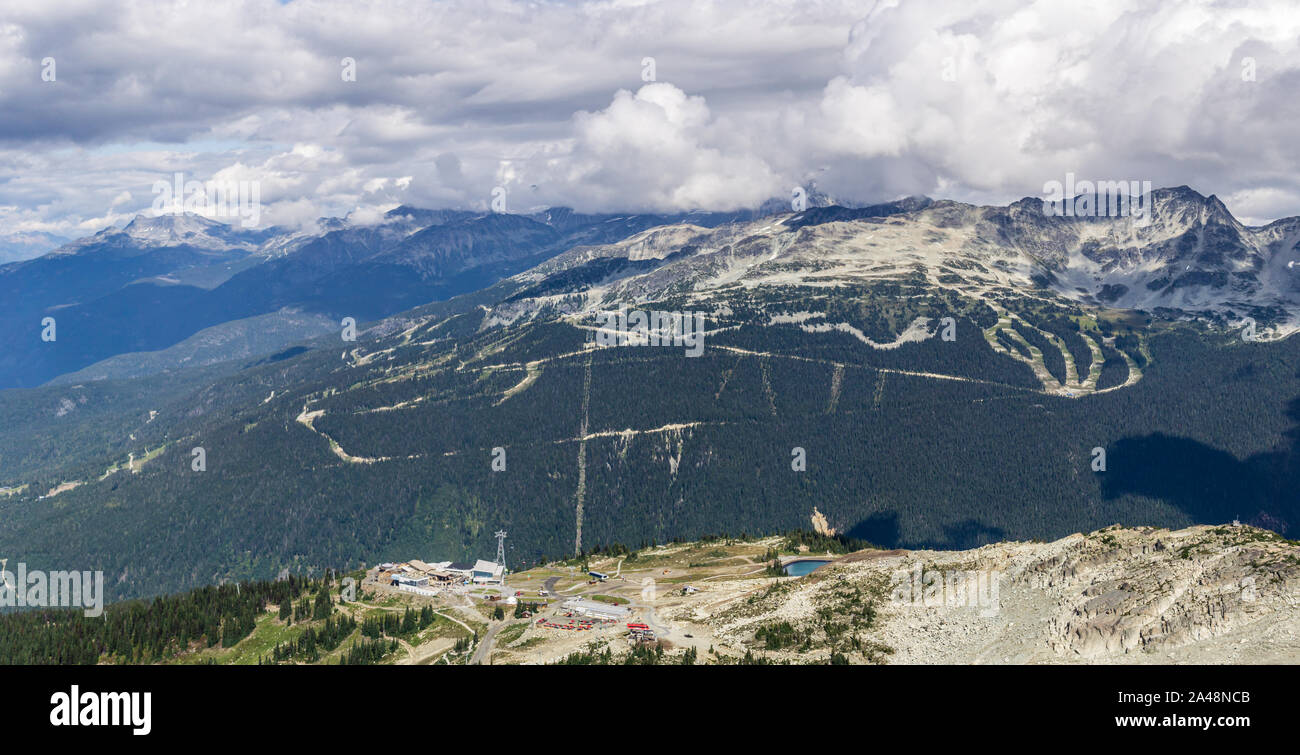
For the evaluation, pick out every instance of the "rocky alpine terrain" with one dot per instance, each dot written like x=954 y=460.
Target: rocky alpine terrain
x=1120 y=595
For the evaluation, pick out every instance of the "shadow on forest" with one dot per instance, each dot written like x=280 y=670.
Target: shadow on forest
x=1210 y=485
x=882 y=529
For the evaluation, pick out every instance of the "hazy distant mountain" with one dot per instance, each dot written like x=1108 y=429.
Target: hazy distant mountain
x=159 y=280
x=22 y=245
x=233 y=340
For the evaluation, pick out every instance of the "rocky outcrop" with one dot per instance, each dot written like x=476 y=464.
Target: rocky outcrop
x=1120 y=595
x=1124 y=590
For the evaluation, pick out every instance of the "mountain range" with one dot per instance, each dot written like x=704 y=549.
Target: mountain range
x=160 y=280
x=924 y=373
x=21 y=245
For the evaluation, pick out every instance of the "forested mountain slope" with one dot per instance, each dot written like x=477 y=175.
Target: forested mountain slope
x=916 y=376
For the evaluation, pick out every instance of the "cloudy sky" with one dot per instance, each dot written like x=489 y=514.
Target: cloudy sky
x=630 y=106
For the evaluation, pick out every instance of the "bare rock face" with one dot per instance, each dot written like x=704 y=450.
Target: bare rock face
x=820 y=525
x=1119 y=590
x=1198 y=595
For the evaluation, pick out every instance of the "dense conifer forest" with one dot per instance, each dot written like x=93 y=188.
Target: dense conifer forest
x=384 y=449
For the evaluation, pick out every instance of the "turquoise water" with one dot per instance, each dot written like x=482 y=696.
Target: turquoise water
x=800 y=568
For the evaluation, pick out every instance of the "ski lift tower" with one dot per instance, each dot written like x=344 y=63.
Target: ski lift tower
x=501 y=555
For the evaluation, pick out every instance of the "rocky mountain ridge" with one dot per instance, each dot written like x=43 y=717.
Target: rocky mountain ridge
x=1190 y=259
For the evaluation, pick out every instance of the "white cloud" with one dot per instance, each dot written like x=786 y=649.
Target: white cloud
x=660 y=149
x=753 y=96
x=1037 y=89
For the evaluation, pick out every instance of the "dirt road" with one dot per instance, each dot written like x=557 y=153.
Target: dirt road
x=484 y=649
